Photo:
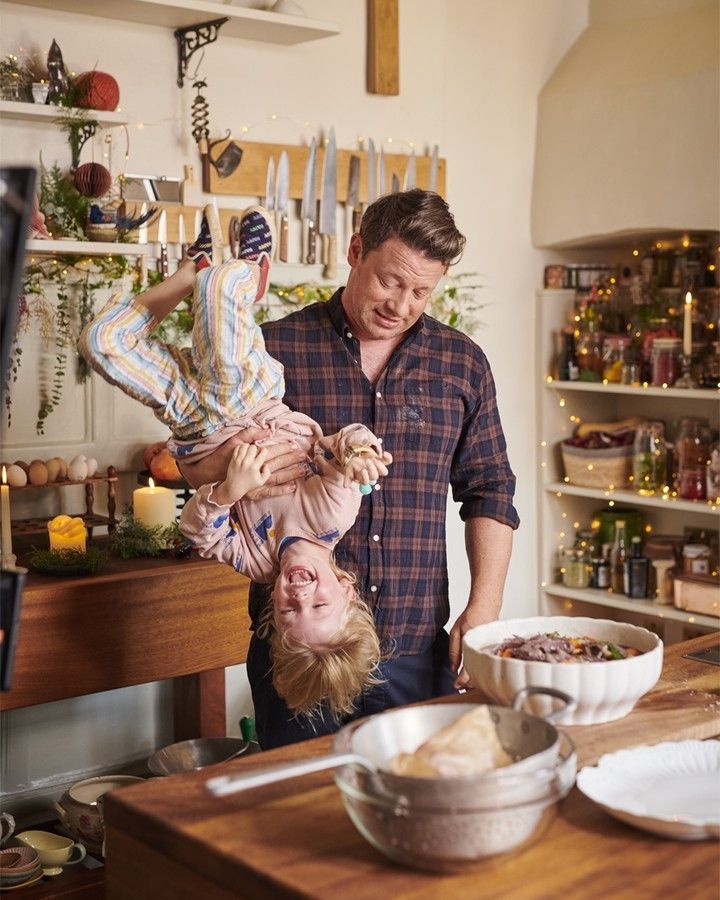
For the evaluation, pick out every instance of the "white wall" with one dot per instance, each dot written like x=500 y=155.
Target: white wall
x=470 y=73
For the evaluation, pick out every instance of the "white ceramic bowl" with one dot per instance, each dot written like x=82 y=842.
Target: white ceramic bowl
x=604 y=690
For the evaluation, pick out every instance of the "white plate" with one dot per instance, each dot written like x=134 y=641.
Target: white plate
x=671 y=789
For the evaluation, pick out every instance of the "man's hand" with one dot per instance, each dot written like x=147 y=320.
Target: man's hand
x=284 y=462
x=247 y=471
x=367 y=468
x=473 y=615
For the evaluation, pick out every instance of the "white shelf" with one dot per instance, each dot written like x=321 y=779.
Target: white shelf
x=675 y=504
x=44 y=113
x=250 y=24
x=619 y=601
x=596 y=387
x=84 y=248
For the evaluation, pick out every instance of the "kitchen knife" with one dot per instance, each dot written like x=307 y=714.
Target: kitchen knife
x=182 y=240
x=308 y=210
x=371 y=173
x=282 y=192
x=269 y=201
x=328 y=210
x=432 y=180
x=410 y=178
x=353 y=212
x=381 y=173
x=162 y=240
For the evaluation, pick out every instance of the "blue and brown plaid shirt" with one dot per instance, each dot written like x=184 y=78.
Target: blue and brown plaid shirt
x=434 y=408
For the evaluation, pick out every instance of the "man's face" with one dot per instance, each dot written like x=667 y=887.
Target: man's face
x=388 y=288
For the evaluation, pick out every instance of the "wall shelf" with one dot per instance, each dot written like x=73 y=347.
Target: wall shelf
x=250 y=24
x=44 y=113
x=632 y=498
x=619 y=601
x=84 y=248
x=595 y=387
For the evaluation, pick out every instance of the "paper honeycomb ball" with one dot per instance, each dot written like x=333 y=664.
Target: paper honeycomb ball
x=96 y=90
x=92 y=179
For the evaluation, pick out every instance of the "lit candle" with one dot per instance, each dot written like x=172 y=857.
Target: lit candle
x=687 y=325
x=153 y=506
x=67 y=533
x=5 y=526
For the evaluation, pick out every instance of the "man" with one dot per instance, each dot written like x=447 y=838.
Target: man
x=371 y=355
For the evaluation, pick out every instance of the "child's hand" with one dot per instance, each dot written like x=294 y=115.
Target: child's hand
x=247 y=470
x=367 y=468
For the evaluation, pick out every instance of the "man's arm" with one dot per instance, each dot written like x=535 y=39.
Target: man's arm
x=488 y=544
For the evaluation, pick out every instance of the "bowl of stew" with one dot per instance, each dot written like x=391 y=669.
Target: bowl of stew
x=606 y=666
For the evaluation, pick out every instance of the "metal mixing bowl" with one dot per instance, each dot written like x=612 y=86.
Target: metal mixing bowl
x=197 y=753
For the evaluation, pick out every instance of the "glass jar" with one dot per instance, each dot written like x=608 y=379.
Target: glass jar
x=696 y=559
x=589 y=356
x=575 y=569
x=713 y=474
x=692 y=452
x=649 y=458
x=616 y=354
x=666 y=363
x=587 y=541
x=711 y=367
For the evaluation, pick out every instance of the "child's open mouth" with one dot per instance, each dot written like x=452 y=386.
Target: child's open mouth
x=298 y=575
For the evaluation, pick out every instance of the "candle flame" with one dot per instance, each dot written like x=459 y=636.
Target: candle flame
x=688 y=298
x=151 y=484
x=4 y=475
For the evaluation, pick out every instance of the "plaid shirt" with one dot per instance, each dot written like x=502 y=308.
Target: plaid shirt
x=434 y=408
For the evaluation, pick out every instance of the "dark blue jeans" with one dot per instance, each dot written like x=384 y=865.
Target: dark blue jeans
x=407 y=679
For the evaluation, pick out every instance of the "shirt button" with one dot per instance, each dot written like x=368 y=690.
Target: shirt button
x=373 y=588
x=378 y=394
x=377 y=487
x=376 y=537
x=349 y=334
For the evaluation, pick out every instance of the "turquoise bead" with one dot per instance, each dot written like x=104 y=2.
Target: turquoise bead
x=365 y=488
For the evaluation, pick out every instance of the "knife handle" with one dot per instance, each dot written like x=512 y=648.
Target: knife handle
x=330 y=270
x=356 y=217
x=311 y=258
x=283 y=248
x=163 y=262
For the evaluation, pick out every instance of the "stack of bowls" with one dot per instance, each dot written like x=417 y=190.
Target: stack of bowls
x=18 y=865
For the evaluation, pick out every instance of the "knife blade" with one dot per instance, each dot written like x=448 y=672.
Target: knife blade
x=182 y=240
x=282 y=195
x=308 y=209
x=162 y=240
x=269 y=201
x=353 y=212
x=143 y=229
x=410 y=177
x=394 y=184
x=371 y=173
x=381 y=173
x=432 y=180
x=328 y=210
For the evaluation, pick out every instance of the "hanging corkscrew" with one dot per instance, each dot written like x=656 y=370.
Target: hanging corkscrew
x=200 y=115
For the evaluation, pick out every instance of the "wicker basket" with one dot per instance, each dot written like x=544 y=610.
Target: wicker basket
x=601 y=468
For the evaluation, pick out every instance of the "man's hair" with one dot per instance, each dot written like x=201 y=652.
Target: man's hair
x=421 y=219
x=306 y=677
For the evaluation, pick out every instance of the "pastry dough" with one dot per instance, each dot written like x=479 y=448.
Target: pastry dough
x=470 y=746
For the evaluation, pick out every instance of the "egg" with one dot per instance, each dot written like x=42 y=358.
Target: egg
x=53 y=467
x=63 y=467
x=16 y=477
x=77 y=468
x=37 y=472
x=23 y=465
x=92 y=466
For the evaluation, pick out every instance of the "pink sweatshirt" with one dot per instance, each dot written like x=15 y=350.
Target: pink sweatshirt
x=250 y=535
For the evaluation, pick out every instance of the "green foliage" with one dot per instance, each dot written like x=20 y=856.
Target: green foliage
x=132 y=539
x=68 y=562
x=66 y=210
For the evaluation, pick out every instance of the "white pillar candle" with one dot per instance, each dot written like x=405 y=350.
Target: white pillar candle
x=5 y=525
x=687 y=325
x=153 y=506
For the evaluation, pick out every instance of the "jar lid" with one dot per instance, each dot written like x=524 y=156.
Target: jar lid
x=695 y=550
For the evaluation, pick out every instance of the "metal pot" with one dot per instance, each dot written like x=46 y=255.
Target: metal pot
x=197 y=753
x=441 y=824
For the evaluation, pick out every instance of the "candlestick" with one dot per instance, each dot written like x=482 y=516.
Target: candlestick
x=67 y=533
x=8 y=558
x=153 y=506
x=687 y=325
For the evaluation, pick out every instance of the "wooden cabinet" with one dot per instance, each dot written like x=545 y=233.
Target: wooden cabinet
x=563 y=507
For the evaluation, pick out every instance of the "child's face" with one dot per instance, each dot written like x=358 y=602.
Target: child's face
x=310 y=601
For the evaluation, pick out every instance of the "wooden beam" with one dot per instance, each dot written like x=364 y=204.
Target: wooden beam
x=383 y=55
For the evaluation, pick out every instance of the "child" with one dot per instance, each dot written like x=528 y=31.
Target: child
x=321 y=634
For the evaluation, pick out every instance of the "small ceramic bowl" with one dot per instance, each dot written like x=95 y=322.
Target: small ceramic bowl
x=29 y=860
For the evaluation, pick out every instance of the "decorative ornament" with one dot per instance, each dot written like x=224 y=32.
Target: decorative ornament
x=97 y=90
x=92 y=179
x=59 y=78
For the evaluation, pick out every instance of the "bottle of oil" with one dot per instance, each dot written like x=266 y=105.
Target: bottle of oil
x=618 y=555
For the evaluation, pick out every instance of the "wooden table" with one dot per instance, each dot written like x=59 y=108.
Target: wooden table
x=171 y=840
x=137 y=621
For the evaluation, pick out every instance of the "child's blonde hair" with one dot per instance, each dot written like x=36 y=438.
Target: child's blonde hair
x=305 y=676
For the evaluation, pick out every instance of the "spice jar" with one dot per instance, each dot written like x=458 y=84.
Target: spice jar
x=692 y=451
x=616 y=353
x=666 y=363
x=575 y=569
x=696 y=559
x=649 y=458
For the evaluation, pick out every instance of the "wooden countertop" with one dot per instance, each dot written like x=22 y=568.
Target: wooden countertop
x=170 y=839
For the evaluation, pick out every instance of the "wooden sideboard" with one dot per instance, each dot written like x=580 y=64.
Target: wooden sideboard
x=138 y=621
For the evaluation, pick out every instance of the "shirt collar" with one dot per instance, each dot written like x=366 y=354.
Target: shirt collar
x=341 y=326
